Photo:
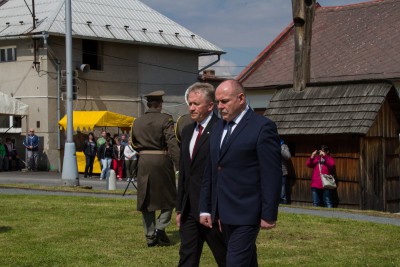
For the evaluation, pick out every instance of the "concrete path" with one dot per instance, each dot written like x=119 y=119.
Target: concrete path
x=54 y=179
x=342 y=215
x=16 y=191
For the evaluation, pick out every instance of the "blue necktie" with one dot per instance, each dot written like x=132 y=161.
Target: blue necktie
x=228 y=133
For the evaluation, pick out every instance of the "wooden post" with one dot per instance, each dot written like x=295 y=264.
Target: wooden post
x=303 y=16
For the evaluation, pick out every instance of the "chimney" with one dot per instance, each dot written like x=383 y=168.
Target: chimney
x=209 y=73
x=303 y=16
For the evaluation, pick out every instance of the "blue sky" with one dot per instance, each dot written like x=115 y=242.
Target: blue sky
x=242 y=28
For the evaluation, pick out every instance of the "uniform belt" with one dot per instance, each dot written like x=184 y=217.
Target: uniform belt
x=153 y=152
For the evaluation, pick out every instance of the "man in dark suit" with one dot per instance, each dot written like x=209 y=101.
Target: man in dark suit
x=242 y=182
x=194 y=152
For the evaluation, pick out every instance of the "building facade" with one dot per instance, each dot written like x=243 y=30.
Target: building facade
x=116 y=59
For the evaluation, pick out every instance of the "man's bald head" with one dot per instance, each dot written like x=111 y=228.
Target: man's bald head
x=230 y=99
x=232 y=85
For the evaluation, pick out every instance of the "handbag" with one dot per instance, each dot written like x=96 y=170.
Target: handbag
x=328 y=181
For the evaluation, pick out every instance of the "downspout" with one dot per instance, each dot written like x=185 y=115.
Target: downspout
x=26 y=139
x=35 y=48
x=212 y=63
x=58 y=114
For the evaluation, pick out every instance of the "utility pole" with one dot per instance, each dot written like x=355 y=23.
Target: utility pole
x=303 y=17
x=70 y=174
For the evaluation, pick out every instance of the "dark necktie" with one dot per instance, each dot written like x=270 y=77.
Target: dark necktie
x=197 y=139
x=228 y=133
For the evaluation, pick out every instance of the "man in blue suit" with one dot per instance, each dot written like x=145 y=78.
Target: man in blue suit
x=242 y=182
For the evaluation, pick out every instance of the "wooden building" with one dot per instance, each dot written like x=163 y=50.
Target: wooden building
x=359 y=123
x=350 y=103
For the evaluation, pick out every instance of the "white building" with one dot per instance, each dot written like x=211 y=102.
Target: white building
x=130 y=49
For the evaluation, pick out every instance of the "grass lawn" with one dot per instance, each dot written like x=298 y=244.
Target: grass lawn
x=91 y=231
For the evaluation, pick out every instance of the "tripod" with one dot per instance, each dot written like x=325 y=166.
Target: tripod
x=130 y=181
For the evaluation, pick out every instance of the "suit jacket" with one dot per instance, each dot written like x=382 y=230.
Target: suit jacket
x=191 y=171
x=242 y=181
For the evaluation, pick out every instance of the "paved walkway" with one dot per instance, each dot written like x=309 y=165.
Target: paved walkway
x=328 y=213
x=54 y=179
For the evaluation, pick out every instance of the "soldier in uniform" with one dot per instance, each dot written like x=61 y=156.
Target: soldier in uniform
x=153 y=137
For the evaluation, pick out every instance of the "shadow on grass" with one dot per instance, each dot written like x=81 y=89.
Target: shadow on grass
x=4 y=229
x=174 y=237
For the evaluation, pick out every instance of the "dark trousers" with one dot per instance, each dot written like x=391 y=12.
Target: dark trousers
x=130 y=167
x=16 y=159
x=89 y=165
x=241 y=244
x=193 y=235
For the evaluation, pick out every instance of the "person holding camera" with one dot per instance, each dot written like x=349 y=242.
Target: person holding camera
x=321 y=162
x=285 y=153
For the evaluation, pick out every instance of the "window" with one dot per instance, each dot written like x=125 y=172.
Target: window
x=8 y=54
x=17 y=121
x=10 y=121
x=4 y=121
x=91 y=54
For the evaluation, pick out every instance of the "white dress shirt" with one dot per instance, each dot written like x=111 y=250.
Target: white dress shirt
x=236 y=120
x=196 y=132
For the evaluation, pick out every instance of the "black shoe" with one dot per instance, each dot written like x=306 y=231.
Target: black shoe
x=152 y=242
x=162 y=238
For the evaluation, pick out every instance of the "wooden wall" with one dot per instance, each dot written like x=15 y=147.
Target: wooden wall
x=344 y=150
x=367 y=167
x=380 y=150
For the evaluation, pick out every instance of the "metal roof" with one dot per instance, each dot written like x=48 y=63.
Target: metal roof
x=128 y=20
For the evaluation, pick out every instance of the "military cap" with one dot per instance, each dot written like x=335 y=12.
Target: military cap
x=155 y=96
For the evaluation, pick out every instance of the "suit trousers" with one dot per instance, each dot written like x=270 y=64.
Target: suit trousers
x=150 y=224
x=241 y=244
x=193 y=235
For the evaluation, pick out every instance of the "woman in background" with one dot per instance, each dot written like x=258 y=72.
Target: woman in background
x=130 y=160
x=321 y=159
x=90 y=151
x=105 y=155
x=118 y=157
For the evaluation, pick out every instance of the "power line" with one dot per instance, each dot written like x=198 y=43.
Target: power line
x=150 y=64
x=139 y=62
